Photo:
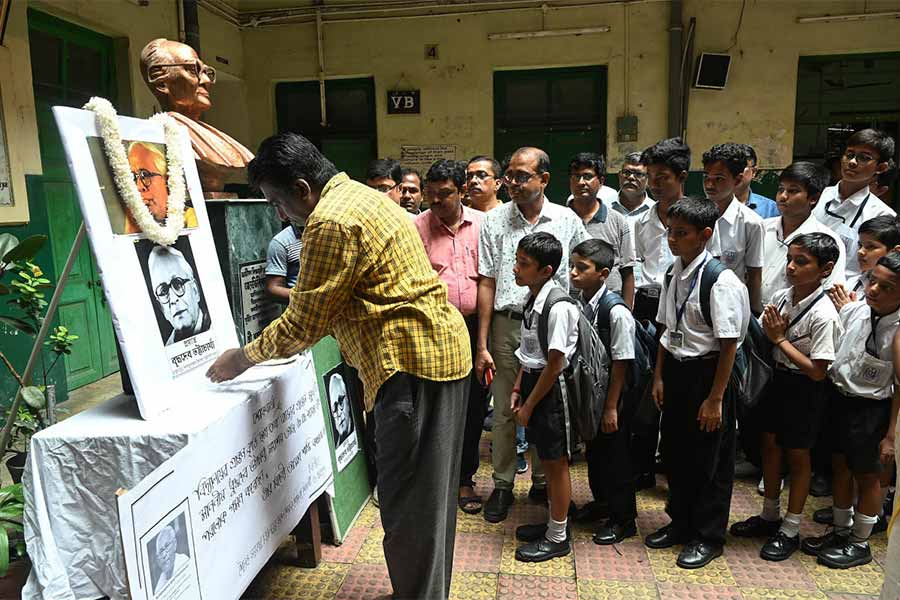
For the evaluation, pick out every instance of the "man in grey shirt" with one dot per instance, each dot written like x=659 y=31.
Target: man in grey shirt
x=283 y=262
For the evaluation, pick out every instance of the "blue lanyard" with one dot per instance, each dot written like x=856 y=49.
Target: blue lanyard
x=679 y=310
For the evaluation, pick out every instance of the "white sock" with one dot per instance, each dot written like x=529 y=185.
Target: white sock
x=771 y=509
x=843 y=519
x=791 y=524
x=556 y=530
x=862 y=528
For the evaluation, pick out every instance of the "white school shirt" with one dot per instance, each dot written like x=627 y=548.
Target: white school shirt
x=729 y=304
x=562 y=330
x=776 y=247
x=499 y=237
x=857 y=284
x=855 y=371
x=738 y=238
x=633 y=216
x=817 y=333
x=845 y=215
x=621 y=328
x=652 y=249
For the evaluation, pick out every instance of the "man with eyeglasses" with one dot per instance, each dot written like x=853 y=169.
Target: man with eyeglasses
x=384 y=175
x=180 y=81
x=633 y=201
x=850 y=203
x=175 y=290
x=483 y=182
x=501 y=304
x=148 y=168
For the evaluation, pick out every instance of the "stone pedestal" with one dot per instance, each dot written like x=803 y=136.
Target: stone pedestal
x=242 y=230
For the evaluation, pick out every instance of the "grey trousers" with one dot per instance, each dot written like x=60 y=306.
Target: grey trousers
x=419 y=433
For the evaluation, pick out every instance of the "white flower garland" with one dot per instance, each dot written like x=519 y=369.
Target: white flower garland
x=108 y=125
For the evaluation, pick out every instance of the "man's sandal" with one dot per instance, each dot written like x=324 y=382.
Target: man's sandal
x=471 y=505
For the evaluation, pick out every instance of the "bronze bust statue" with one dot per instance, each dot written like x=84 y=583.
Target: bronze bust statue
x=180 y=81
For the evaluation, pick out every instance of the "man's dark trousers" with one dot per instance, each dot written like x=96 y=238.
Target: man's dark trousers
x=700 y=465
x=474 y=417
x=419 y=436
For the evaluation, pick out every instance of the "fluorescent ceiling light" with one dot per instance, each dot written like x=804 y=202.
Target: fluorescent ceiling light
x=521 y=35
x=895 y=14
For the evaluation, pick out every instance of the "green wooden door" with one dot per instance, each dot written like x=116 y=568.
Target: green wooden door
x=69 y=65
x=561 y=111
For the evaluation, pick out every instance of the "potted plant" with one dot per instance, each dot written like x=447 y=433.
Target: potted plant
x=14 y=562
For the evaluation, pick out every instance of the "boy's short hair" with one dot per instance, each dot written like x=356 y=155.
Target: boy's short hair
x=671 y=152
x=887 y=177
x=598 y=252
x=812 y=177
x=589 y=160
x=890 y=261
x=884 y=228
x=384 y=168
x=544 y=248
x=875 y=138
x=699 y=212
x=444 y=169
x=733 y=155
x=410 y=171
x=495 y=164
x=820 y=245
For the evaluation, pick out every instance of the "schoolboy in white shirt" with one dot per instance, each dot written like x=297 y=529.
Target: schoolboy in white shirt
x=692 y=386
x=609 y=466
x=799 y=187
x=849 y=204
x=877 y=237
x=738 y=237
x=537 y=401
x=864 y=401
x=804 y=328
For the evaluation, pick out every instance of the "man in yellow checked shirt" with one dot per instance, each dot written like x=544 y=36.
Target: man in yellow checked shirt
x=365 y=278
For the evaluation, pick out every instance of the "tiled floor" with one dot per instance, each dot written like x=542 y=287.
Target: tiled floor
x=485 y=567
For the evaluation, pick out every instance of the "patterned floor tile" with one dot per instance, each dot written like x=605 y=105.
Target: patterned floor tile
x=615 y=590
x=477 y=552
x=751 y=593
x=649 y=521
x=866 y=579
x=369 y=516
x=288 y=583
x=372 y=550
x=688 y=591
x=365 y=582
x=474 y=586
x=535 y=588
x=748 y=569
x=558 y=567
x=623 y=562
x=850 y=597
x=346 y=552
x=715 y=573
x=476 y=524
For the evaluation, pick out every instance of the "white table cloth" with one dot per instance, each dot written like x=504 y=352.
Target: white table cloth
x=74 y=469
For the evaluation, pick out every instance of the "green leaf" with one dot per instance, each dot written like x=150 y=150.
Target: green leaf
x=26 y=249
x=18 y=324
x=33 y=397
x=3 y=289
x=7 y=242
x=4 y=552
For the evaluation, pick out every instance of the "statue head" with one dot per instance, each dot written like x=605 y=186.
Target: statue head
x=177 y=77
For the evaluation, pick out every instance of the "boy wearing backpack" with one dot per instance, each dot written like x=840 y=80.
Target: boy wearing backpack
x=804 y=328
x=538 y=399
x=705 y=310
x=863 y=404
x=608 y=461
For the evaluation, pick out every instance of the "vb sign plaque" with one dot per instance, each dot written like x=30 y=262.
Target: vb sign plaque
x=405 y=102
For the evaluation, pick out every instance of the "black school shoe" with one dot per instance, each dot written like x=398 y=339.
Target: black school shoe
x=531 y=533
x=538 y=495
x=697 y=554
x=664 y=537
x=849 y=554
x=813 y=546
x=497 y=507
x=591 y=512
x=543 y=549
x=779 y=547
x=880 y=525
x=755 y=526
x=613 y=533
x=824 y=516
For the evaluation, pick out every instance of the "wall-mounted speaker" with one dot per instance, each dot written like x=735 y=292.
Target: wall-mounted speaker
x=712 y=70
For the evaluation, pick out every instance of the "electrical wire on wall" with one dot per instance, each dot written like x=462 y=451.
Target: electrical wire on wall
x=734 y=38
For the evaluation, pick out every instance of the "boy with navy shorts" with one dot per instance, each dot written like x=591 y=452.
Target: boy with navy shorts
x=538 y=396
x=804 y=328
x=863 y=405
x=692 y=386
x=609 y=464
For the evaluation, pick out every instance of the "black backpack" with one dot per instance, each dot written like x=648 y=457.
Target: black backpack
x=753 y=363
x=586 y=380
x=645 y=346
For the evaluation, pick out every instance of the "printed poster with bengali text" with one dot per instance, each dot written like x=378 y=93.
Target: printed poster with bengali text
x=203 y=524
